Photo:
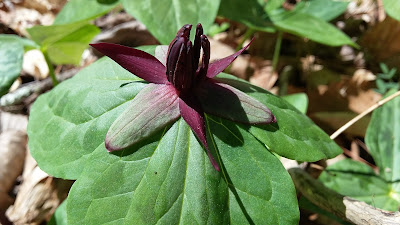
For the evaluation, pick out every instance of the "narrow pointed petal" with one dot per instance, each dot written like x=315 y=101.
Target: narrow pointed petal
x=135 y=61
x=151 y=110
x=193 y=115
x=218 y=66
x=228 y=102
x=197 y=45
x=161 y=53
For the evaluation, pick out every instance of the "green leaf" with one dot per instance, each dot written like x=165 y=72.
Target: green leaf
x=169 y=180
x=64 y=44
x=357 y=180
x=164 y=19
x=67 y=124
x=383 y=139
x=255 y=176
x=299 y=100
x=77 y=10
x=310 y=27
x=26 y=43
x=12 y=49
x=60 y=216
x=392 y=8
x=216 y=28
x=294 y=136
x=11 y=56
x=323 y=9
x=250 y=12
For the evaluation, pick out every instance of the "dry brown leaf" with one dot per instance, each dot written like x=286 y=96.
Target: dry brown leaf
x=44 y=6
x=20 y=18
x=383 y=40
x=335 y=120
x=221 y=50
x=34 y=64
x=362 y=76
x=12 y=151
x=365 y=10
x=10 y=121
x=263 y=75
x=363 y=100
x=38 y=197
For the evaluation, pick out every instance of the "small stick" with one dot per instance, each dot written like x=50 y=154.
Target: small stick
x=370 y=109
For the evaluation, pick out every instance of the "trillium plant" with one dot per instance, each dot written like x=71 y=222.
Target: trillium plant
x=171 y=139
x=179 y=85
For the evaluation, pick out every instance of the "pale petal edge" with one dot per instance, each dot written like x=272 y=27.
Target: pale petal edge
x=225 y=101
x=152 y=109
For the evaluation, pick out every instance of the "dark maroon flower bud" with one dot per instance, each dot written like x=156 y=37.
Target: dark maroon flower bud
x=176 y=47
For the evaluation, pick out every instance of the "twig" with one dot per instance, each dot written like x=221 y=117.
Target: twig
x=343 y=207
x=370 y=109
x=19 y=95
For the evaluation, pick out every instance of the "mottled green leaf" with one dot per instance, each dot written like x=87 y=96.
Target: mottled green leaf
x=357 y=180
x=310 y=27
x=65 y=127
x=64 y=44
x=294 y=136
x=323 y=9
x=169 y=180
x=299 y=100
x=26 y=43
x=255 y=176
x=164 y=19
x=307 y=20
x=77 y=10
x=383 y=139
x=11 y=56
x=392 y=8
x=250 y=12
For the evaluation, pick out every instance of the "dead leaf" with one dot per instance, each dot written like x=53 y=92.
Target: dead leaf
x=383 y=41
x=221 y=50
x=12 y=151
x=263 y=75
x=35 y=64
x=38 y=197
x=10 y=121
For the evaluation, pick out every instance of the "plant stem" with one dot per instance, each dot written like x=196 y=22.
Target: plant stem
x=51 y=69
x=246 y=35
x=277 y=51
x=370 y=109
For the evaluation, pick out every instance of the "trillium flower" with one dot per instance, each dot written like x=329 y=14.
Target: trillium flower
x=180 y=84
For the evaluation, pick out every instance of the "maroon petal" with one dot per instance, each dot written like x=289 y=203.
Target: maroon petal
x=193 y=115
x=135 y=61
x=152 y=109
x=228 y=102
x=218 y=66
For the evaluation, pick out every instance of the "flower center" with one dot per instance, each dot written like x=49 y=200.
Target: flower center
x=183 y=68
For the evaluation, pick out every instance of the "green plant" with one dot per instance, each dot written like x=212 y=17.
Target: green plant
x=386 y=80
